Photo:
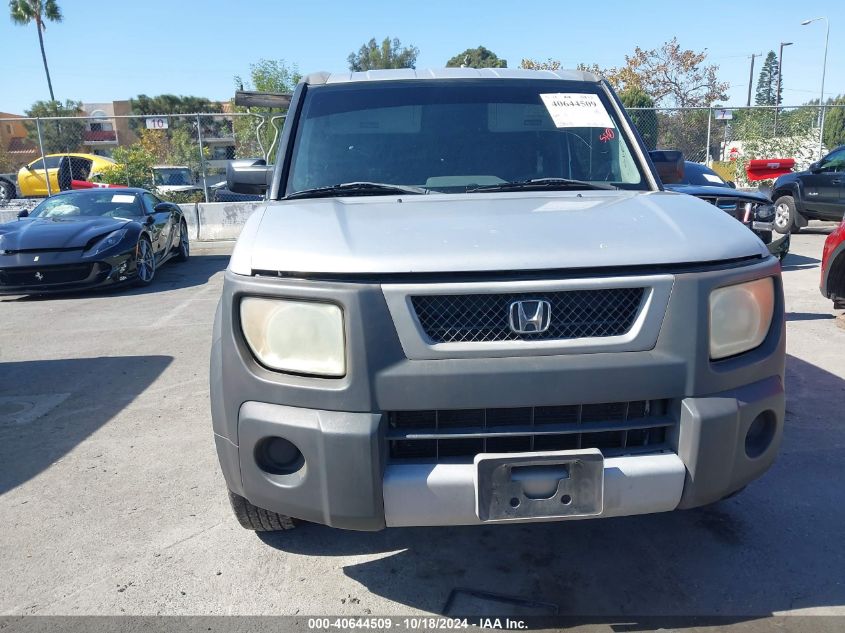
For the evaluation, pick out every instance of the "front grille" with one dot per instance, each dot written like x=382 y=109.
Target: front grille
x=617 y=427
x=44 y=276
x=481 y=318
x=732 y=206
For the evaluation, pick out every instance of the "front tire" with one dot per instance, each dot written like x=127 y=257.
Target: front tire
x=145 y=262
x=7 y=191
x=258 y=519
x=184 y=248
x=786 y=215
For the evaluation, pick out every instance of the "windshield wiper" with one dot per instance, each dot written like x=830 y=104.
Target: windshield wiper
x=356 y=189
x=550 y=184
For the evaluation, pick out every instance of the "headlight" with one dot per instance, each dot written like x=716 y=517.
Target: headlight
x=763 y=212
x=740 y=317
x=302 y=337
x=112 y=239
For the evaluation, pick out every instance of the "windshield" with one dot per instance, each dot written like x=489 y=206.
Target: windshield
x=458 y=136
x=698 y=174
x=172 y=176
x=101 y=203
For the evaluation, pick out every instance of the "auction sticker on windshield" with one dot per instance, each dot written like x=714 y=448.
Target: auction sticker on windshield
x=569 y=109
x=123 y=197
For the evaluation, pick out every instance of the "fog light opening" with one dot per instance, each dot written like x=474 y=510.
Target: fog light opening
x=514 y=502
x=566 y=500
x=760 y=434
x=278 y=456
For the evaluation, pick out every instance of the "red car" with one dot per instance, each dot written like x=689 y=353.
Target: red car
x=833 y=267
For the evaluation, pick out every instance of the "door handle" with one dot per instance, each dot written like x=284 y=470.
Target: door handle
x=836 y=182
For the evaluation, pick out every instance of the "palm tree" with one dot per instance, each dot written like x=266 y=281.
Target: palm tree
x=26 y=11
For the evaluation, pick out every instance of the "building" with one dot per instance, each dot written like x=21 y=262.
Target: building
x=104 y=130
x=14 y=141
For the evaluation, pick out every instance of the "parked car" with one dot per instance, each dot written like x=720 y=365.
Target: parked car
x=169 y=179
x=815 y=194
x=468 y=300
x=755 y=210
x=79 y=240
x=833 y=267
x=32 y=181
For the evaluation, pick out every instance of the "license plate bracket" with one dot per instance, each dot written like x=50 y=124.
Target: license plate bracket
x=539 y=485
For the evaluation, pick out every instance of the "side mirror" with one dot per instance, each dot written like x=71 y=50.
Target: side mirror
x=669 y=164
x=816 y=167
x=250 y=176
x=162 y=207
x=731 y=184
x=24 y=213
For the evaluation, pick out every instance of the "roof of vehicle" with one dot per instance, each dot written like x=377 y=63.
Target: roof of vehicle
x=320 y=78
x=170 y=167
x=707 y=191
x=80 y=155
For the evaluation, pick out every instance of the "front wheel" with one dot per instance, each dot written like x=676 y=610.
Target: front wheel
x=7 y=191
x=145 y=262
x=258 y=519
x=785 y=215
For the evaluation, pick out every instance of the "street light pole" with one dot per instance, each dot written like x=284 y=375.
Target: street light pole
x=778 y=89
x=824 y=70
x=751 y=77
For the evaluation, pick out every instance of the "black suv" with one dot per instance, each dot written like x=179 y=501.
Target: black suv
x=815 y=194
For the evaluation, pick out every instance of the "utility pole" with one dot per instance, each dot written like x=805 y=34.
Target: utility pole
x=751 y=77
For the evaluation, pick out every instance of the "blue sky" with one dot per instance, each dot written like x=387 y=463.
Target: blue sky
x=107 y=50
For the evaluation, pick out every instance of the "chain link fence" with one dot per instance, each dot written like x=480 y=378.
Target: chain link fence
x=728 y=138
x=181 y=157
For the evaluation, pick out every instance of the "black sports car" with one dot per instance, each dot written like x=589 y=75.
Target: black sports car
x=78 y=240
x=754 y=210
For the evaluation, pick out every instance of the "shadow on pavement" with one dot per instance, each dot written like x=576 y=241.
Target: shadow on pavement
x=776 y=546
x=47 y=407
x=793 y=261
x=171 y=276
x=808 y=316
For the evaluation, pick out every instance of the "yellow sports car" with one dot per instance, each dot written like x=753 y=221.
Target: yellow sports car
x=32 y=179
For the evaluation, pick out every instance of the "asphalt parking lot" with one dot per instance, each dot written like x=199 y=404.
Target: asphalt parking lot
x=112 y=502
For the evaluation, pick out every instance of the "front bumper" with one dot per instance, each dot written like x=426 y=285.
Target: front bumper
x=349 y=481
x=61 y=272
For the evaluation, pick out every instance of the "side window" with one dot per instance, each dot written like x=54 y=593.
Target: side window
x=53 y=162
x=835 y=161
x=150 y=201
x=39 y=164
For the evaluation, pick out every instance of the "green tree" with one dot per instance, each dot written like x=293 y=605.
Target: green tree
x=391 y=54
x=58 y=136
x=834 y=123
x=144 y=105
x=533 y=64
x=480 y=57
x=767 y=82
x=38 y=11
x=645 y=120
x=252 y=139
x=133 y=167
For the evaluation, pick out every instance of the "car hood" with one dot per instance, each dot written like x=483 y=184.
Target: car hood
x=55 y=233
x=489 y=232
x=721 y=192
